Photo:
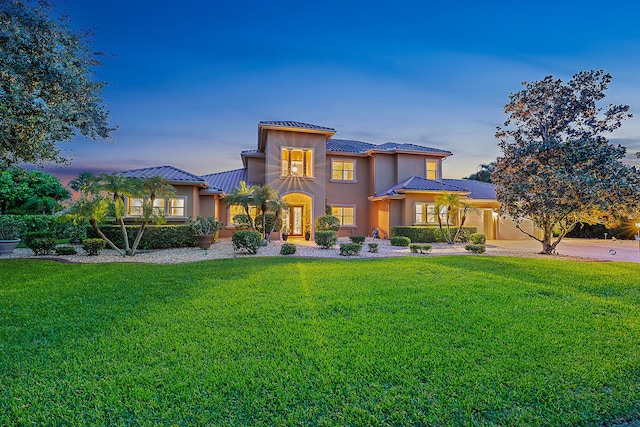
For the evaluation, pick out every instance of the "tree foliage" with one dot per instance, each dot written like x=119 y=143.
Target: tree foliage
x=47 y=85
x=557 y=168
x=483 y=174
x=452 y=205
x=25 y=192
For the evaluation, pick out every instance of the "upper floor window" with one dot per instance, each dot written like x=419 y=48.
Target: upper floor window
x=346 y=214
x=432 y=169
x=343 y=170
x=297 y=162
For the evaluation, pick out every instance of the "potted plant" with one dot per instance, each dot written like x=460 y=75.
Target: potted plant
x=9 y=234
x=285 y=233
x=307 y=226
x=205 y=229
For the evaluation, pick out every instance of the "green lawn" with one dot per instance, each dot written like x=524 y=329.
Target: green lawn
x=276 y=341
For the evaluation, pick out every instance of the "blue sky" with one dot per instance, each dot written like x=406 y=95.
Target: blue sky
x=189 y=81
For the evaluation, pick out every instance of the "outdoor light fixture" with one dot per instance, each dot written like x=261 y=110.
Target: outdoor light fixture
x=294 y=169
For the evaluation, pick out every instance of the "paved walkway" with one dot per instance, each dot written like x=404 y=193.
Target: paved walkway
x=605 y=250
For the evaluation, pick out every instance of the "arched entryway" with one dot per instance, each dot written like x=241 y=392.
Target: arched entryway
x=298 y=218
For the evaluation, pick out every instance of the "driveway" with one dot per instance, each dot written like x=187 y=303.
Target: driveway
x=600 y=249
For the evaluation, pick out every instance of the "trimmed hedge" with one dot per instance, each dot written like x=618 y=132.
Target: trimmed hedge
x=41 y=242
x=356 y=238
x=350 y=249
x=327 y=223
x=326 y=239
x=62 y=226
x=420 y=248
x=66 y=250
x=428 y=234
x=400 y=241
x=247 y=239
x=93 y=246
x=476 y=249
x=287 y=249
x=154 y=237
x=478 y=238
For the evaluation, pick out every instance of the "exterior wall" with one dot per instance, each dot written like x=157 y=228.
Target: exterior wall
x=351 y=194
x=506 y=229
x=255 y=169
x=409 y=165
x=379 y=217
x=409 y=205
x=315 y=186
x=192 y=206
x=384 y=172
x=207 y=206
x=396 y=210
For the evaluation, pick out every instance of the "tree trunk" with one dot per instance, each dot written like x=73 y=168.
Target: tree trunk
x=138 y=238
x=94 y=224
x=123 y=228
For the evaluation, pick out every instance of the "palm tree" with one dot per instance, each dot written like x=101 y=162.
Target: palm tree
x=119 y=187
x=276 y=206
x=453 y=202
x=263 y=195
x=153 y=187
x=82 y=182
x=243 y=196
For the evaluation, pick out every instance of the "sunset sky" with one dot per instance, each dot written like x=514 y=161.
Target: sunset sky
x=189 y=81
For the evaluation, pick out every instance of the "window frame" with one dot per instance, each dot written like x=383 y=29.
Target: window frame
x=343 y=161
x=426 y=213
x=341 y=217
x=435 y=171
x=168 y=207
x=253 y=212
x=306 y=163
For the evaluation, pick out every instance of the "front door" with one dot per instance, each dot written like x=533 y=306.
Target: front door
x=296 y=220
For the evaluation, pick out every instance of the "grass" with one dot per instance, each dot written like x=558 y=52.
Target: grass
x=441 y=341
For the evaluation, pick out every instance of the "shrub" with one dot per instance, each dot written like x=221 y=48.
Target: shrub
x=93 y=246
x=41 y=242
x=241 y=222
x=63 y=227
x=428 y=234
x=66 y=250
x=270 y=219
x=288 y=249
x=10 y=227
x=350 y=249
x=327 y=223
x=204 y=226
x=154 y=237
x=326 y=239
x=478 y=238
x=357 y=239
x=246 y=239
x=475 y=248
x=420 y=248
x=400 y=241
x=373 y=247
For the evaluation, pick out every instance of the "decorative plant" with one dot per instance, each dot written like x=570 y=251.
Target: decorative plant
x=9 y=228
x=204 y=226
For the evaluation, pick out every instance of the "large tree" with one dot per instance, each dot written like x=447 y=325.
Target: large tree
x=30 y=192
x=47 y=85
x=557 y=168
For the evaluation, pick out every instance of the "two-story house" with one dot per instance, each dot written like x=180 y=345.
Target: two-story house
x=367 y=186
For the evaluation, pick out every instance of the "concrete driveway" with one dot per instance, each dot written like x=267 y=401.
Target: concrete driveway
x=600 y=249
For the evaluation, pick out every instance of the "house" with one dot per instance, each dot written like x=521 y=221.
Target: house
x=367 y=186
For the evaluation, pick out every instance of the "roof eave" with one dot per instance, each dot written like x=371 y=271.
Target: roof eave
x=262 y=134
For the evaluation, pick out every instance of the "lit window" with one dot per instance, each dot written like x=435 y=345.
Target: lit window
x=177 y=207
x=345 y=214
x=426 y=213
x=135 y=207
x=432 y=169
x=297 y=162
x=239 y=210
x=158 y=207
x=343 y=170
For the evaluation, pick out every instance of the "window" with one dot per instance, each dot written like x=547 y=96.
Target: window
x=135 y=207
x=297 y=162
x=432 y=169
x=177 y=207
x=346 y=214
x=343 y=170
x=426 y=213
x=239 y=210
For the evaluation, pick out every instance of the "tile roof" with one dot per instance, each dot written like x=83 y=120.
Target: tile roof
x=298 y=125
x=417 y=183
x=168 y=172
x=348 y=146
x=227 y=180
x=479 y=189
x=396 y=146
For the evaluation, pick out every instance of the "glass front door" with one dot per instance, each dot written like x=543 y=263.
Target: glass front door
x=296 y=223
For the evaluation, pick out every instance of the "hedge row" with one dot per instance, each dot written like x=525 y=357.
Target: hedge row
x=61 y=226
x=154 y=237
x=429 y=234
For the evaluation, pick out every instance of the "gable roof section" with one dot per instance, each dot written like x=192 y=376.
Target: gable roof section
x=348 y=146
x=478 y=189
x=227 y=180
x=396 y=146
x=265 y=126
x=171 y=173
x=416 y=183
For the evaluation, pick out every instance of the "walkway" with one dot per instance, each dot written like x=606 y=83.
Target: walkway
x=605 y=250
